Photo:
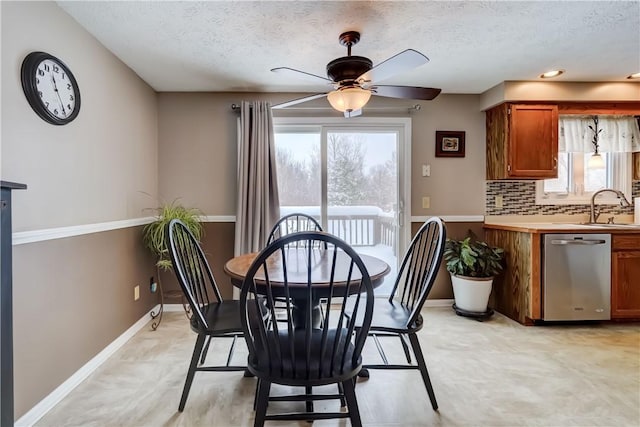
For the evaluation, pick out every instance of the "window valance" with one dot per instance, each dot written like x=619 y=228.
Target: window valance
x=620 y=134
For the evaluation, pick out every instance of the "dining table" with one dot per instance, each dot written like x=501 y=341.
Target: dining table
x=297 y=275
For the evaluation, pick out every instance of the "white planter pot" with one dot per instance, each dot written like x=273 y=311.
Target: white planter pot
x=471 y=293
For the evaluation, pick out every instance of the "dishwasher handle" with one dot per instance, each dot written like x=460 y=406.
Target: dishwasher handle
x=578 y=242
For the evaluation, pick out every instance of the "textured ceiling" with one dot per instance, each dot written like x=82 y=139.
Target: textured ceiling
x=224 y=46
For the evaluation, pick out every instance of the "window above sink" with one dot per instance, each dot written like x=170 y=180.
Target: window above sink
x=576 y=182
x=583 y=139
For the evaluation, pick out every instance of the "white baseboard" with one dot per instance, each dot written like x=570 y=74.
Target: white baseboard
x=438 y=303
x=46 y=404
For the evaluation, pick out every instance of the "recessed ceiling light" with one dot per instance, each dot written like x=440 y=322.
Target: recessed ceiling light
x=551 y=74
x=634 y=76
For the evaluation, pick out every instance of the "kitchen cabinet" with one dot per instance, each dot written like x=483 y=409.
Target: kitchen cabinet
x=518 y=292
x=625 y=277
x=522 y=141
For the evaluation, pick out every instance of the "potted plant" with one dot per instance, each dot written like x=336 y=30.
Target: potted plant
x=473 y=265
x=153 y=236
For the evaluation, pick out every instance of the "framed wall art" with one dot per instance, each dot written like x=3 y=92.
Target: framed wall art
x=449 y=143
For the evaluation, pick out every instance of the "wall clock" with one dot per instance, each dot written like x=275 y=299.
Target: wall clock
x=50 y=88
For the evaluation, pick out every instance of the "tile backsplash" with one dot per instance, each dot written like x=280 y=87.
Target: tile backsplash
x=519 y=198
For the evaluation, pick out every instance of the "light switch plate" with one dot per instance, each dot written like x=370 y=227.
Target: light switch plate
x=499 y=201
x=426 y=202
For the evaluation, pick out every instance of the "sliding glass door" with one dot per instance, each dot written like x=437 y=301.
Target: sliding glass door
x=352 y=178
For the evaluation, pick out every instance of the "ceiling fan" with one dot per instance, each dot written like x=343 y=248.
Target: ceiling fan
x=354 y=79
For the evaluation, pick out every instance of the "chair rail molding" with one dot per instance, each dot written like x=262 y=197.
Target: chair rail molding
x=32 y=236
x=450 y=218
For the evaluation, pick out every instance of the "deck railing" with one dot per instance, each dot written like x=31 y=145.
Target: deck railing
x=357 y=225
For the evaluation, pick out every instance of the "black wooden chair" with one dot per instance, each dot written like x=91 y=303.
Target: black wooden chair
x=298 y=354
x=293 y=223
x=212 y=316
x=399 y=316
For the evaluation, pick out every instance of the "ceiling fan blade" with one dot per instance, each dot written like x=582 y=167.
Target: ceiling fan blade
x=298 y=101
x=404 y=61
x=286 y=71
x=406 y=92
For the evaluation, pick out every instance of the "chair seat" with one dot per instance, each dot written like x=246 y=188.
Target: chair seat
x=291 y=366
x=222 y=318
x=391 y=317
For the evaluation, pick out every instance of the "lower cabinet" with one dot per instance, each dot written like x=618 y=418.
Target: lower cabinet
x=518 y=291
x=625 y=277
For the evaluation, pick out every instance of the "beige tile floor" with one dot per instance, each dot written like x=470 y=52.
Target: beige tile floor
x=493 y=373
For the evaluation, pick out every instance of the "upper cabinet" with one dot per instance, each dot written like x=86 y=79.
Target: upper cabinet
x=522 y=141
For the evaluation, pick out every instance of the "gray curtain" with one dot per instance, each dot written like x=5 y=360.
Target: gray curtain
x=258 y=206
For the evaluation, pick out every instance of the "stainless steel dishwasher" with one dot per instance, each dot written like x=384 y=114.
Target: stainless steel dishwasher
x=577 y=276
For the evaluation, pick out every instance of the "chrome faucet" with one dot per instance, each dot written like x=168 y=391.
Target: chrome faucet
x=593 y=215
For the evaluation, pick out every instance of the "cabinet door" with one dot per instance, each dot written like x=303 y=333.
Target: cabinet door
x=533 y=141
x=625 y=285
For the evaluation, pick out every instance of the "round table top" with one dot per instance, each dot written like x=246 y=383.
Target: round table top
x=237 y=267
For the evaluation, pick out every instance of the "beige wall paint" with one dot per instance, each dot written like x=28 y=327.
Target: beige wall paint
x=560 y=91
x=456 y=184
x=95 y=168
x=197 y=149
x=74 y=296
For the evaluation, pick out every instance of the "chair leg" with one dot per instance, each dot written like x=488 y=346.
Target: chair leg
x=205 y=350
x=415 y=345
x=343 y=401
x=197 y=350
x=263 y=401
x=255 y=396
x=352 y=403
x=309 y=403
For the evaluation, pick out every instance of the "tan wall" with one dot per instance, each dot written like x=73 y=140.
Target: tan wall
x=95 y=168
x=74 y=296
x=197 y=160
x=455 y=230
x=197 y=150
x=217 y=244
x=560 y=91
x=71 y=298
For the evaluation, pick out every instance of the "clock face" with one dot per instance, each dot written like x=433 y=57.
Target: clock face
x=50 y=88
x=55 y=90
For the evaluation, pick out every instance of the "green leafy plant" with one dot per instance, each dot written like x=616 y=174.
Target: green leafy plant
x=472 y=258
x=154 y=232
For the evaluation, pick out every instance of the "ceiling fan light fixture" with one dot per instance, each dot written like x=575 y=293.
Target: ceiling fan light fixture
x=349 y=99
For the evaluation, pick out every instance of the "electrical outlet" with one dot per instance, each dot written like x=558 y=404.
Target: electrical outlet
x=136 y=293
x=499 y=201
x=426 y=170
x=426 y=202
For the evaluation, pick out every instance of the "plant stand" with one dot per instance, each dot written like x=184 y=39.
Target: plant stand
x=478 y=315
x=157 y=316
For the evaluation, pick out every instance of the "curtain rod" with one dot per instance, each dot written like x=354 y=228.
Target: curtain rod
x=415 y=107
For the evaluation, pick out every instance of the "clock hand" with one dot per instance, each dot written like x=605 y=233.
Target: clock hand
x=55 y=89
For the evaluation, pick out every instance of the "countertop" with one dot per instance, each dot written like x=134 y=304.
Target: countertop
x=551 y=227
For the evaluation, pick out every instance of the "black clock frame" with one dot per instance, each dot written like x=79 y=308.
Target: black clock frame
x=28 y=76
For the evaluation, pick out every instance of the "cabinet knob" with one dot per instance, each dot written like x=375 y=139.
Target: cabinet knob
x=555 y=163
